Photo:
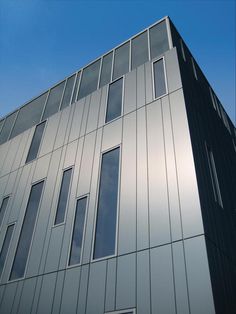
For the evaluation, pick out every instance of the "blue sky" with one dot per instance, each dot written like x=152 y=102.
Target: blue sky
x=41 y=42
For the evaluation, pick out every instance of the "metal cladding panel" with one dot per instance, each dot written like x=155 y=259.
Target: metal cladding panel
x=126 y=281
x=9 y=184
x=158 y=200
x=142 y=182
x=27 y=146
x=110 y=285
x=27 y=296
x=162 y=285
x=130 y=92
x=143 y=283
x=17 y=297
x=94 y=111
x=71 y=149
x=112 y=134
x=172 y=185
x=103 y=106
x=85 y=115
x=199 y=283
x=188 y=189
x=8 y=298
x=180 y=279
x=127 y=213
x=140 y=86
x=148 y=82
x=3 y=185
x=81 y=307
x=58 y=292
x=172 y=70
x=96 y=288
x=43 y=225
x=76 y=120
x=41 y=168
x=46 y=294
x=36 y=295
x=3 y=154
x=61 y=132
x=21 y=150
x=70 y=291
x=12 y=152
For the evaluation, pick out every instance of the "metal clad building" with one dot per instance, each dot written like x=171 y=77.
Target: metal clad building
x=118 y=189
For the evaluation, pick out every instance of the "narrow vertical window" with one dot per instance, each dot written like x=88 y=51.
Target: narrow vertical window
x=121 y=61
x=78 y=231
x=22 y=252
x=212 y=98
x=3 y=208
x=106 y=69
x=114 y=101
x=159 y=78
x=63 y=196
x=214 y=177
x=182 y=49
x=194 y=69
x=74 y=96
x=105 y=234
x=139 y=50
x=5 y=247
x=67 y=92
x=34 y=147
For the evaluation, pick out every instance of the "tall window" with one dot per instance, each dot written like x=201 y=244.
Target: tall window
x=214 y=177
x=114 y=101
x=194 y=69
x=5 y=247
x=3 y=208
x=139 y=52
x=22 y=252
x=159 y=78
x=78 y=231
x=34 y=147
x=63 y=196
x=105 y=234
x=121 y=61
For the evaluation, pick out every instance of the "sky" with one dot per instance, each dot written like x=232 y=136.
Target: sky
x=41 y=42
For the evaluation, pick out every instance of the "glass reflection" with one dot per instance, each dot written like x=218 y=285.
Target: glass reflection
x=139 y=50
x=158 y=39
x=106 y=69
x=34 y=147
x=54 y=100
x=114 y=103
x=159 y=78
x=121 y=61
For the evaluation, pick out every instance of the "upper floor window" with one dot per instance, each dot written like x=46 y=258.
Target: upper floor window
x=76 y=85
x=114 y=100
x=158 y=39
x=194 y=69
x=3 y=208
x=105 y=76
x=68 y=91
x=54 y=100
x=5 y=247
x=7 y=127
x=182 y=49
x=159 y=78
x=121 y=61
x=36 y=141
x=139 y=51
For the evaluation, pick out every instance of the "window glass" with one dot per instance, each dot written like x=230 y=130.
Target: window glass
x=159 y=78
x=3 y=208
x=182 y=49
x=6 y=129
x=139 y=50
x=106 y=70
x=158 y=39
x=22 y=252
x=114 y=101
x=68 y=91
x=5 y=247
x=1 y=124
x=34 y=147
x=194 y=69
x=75 y=88
x=105 y=235
x=29 y=115
x=54 y=100
x=63 y=196
x=89 y=80
x=78 y=231
x=121 y=61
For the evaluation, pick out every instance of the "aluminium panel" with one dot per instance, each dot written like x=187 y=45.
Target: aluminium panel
x=172 y=70
x=27 y=296
x=36 y=295
x=143 y=283
x=11 y=155
x=27 y=146
x=112 y=133
x=130 y=92
x=94 y=109
x=41 y=168
x=110 y=285
x=71 y=149
x=20 y=153
x=3 y=186
x=141 y=94
x=8 y=298
x=46 y=294
x=148 y=82
x=3 y=154
x=127 y=204
x=17 y=297
x=81 y=305
x=103 y=106
x=85 y=115
x=11 y=180
x=76 y=120
x=61 y=131
x=58 y=292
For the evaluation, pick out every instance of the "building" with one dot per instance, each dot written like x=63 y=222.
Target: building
x=118 y=189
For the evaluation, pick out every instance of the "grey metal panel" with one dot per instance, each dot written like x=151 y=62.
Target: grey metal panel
x=27 y=146
x=112 y=133
x=174 y=206
x=127 y=214
x=96 y=288
x=110 y=285
x=92 y=200
x=162 y=285
x=86 y=164
x=54 y=249
x=16 y=302
x=8 y=298
x=188 y=190
x=49 y=134
x=158 y=203
x=10 y=183
x=3 y=153
x=94 y=111
x=103 y=106
x=27 y=296
x=60 y=137
x=21 y=150
x=70 y=154
x=41 y=168
x=140 y=86
x=46 y=294
x=180 y=279
x=70 y=291
x=130 y=92
x=36 y=295
x=43 y=218
x=85 y=115
x=11 y=155
x=199 y=283
x=58 y=292
x=77 y=120
x=2 y=289
x=143 y=283
x=126 y=281
x=83 y=290
x=142 y=182
x=172 y=70
x=148 y=82
x=3 y=185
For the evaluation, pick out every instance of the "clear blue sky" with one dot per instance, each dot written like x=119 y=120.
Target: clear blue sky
x=41 y=42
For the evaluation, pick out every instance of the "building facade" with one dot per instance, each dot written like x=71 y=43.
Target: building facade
x=118 y=189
